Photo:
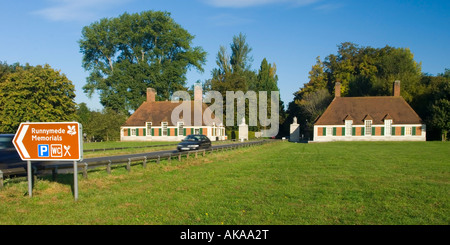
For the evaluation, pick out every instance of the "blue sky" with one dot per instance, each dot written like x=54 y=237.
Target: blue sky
x=289 y=33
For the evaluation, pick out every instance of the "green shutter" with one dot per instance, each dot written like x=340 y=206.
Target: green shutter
x=176 y=132
x=363 y=131
x=353 y=131
x=324 y=131
x=129 y=132
x=393 y=131
x=184 y=131
x=137 y=132
x=168 y=131
x=159 y=132
x=343 y=131
x=145 y=132
x=403 y=130
x=413 y=130
x=334 y=131
x=373 y=130
x=201 y=130
x=382 y=130
x=153 y=132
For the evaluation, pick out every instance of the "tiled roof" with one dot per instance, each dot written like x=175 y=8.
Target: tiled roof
x=160 y=111
x=377 y=108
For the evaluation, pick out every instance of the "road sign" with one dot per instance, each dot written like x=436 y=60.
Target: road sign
x=49 y=141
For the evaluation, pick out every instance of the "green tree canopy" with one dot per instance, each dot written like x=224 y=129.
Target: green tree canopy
x=127 y=54
x=35 y=94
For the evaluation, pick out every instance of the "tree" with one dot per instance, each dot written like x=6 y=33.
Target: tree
x=35 y=94
x=127 y=54
x=100 y=125
x=440 y=111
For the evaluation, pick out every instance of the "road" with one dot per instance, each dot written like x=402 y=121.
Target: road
x=49 y=165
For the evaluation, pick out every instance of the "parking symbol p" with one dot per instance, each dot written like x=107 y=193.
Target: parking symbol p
x=43 y=151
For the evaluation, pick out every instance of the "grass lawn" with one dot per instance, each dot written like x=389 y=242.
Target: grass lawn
x=278 y=183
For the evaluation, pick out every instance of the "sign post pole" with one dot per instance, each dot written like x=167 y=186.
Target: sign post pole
x=75 y=180
x=30 y=179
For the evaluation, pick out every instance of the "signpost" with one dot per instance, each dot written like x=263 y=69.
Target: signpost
x=50 y=141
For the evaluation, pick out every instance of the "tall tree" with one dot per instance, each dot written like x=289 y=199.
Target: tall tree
x=35 y=94
x=127 y=54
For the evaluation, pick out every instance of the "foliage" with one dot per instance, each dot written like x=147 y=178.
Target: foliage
x=432 y=104
x=100 y=126
x=362 y=71
x=234 y=73
x=35 y=94
x=127 y=54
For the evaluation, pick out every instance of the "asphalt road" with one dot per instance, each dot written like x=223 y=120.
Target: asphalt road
x=51 y=164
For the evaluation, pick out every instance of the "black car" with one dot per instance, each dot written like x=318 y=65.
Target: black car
x=9 y=158
x=194 y=142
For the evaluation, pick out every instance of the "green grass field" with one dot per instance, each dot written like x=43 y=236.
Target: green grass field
x=278 y=183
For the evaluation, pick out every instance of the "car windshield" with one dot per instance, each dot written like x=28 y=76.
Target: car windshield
x=6 y=142
x=192 y=138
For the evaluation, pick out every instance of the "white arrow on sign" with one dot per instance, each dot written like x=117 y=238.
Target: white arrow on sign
x=20 y=143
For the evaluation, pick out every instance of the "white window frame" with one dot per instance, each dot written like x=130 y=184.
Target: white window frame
x=348 y=127
x=387 y=127
x=368 y=127
x=408 y=131
x=180 y=127
x=133 y=132
x=329 y=131
x=148 y=126
x=164 y=128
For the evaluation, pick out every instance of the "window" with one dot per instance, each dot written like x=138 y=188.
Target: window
x=196 y=131
x=368 y=129
x=149 y=128
x=164 y=128
x=329 y=131
x=387 y=127
x=408 y=130
x=133 y=132
x=180 y=128
x=348 y=127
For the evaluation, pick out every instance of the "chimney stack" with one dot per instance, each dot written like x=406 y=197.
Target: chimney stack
x=198 y=93
x=151 y=95
x=337 y=89
x=396 y=89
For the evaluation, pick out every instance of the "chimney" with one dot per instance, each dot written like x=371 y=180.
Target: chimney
x=198 y=93
x=396 y=89
x=337 y=89
x=151 y=94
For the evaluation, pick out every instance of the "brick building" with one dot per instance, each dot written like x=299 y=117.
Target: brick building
x=372 y=118
x=152 y=121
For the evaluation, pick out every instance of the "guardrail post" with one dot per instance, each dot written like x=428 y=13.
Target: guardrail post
x=54 y=173
x=159 y=158
x=169 y=159
x=85 y=176
x=34 y=174
x=204 y=152
x=1 y=179
x=144 y=163
x=129 y=165
x=179 y=157
x=108 y=167
x=195 y=154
